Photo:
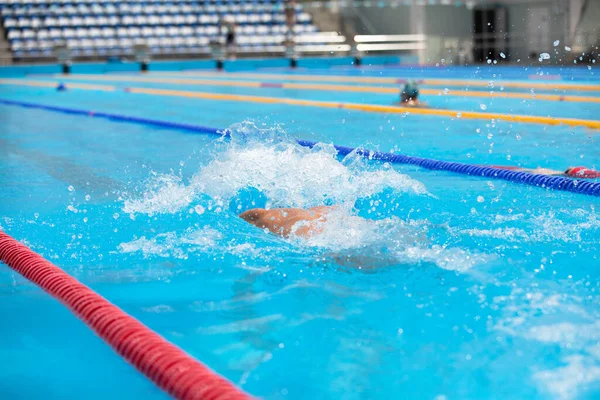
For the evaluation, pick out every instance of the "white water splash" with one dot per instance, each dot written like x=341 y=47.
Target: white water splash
x=171 y=244
x=285 y=174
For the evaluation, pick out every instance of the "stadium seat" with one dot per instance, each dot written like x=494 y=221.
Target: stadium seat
x=113 y=26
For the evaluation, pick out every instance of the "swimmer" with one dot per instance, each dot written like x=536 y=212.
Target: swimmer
x=409 y=95
x=571 y=172
x=282 y=221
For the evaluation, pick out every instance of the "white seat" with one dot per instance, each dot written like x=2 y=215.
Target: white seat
x=42 y=34
x=266 y=18
x=160 y=31
x=128 y=20
x=86 y=44
x=77 y=21
x=112 y=43
x=262 y=30
x=101 y=21
x=179 y=19
x=141 y=20
x=126 y=43
x=55 y=33
x=173 y=31
x=24 y=23
x=68 y=33
x=108 y=32
x=64 y=21
x=113 y=20
x=191 y=19
x=122 y=32
x=186 y=31
x=166 y=19
x=14 y=34
x=211 y=31
x=166 y=42
x=241 y=19
x=10 y=23
x=134 y=31
x=153 y=20
x=73 y=43
x=191 y=41
x=80 y=33
x=94 y=32
x=28 y=34
x=147 y=31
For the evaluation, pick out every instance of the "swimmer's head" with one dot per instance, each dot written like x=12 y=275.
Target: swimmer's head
x=409 y=91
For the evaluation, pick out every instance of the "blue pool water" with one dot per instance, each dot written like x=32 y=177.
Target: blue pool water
x=424 y=284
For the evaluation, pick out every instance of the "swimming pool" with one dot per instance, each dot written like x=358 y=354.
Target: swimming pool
x=467 y=288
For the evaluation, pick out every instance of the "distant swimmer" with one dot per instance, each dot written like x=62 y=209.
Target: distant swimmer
x=571 y=172
x=409 y=95
x=286 y=221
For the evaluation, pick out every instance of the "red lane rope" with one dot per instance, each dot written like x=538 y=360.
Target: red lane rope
x=165 y=364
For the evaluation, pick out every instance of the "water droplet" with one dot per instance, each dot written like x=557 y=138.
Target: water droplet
x=545 y=56
x=502 y=55
x=480 y=199
x=87 y=197
x=567 y=48
x=483 y=106
x=458 y=115
x=446 y=91
x=72 y=209
x=489 y=61
x=199 y=209
x=400 y=331
x=116 y=215
x=478 y=130
x=71 y=188
x=85 y=219
x=556 y=43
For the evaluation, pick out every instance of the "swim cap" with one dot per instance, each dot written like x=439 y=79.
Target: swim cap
x=61 y=87
x=582 y=172
x=409 y=90
x=246 y=199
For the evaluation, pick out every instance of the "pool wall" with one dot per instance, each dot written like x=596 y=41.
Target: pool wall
x=181 y=65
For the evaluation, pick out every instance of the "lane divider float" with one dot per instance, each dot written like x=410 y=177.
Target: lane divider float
x=387 y=109
x=165 y=364
x=554 y=85
x=329 y=87
x=526 y=178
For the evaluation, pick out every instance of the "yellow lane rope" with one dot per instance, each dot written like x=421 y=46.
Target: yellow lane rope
x=329 y=87
x=374 y=108
x=385 y=80
x=329 y=104
x=26 y=82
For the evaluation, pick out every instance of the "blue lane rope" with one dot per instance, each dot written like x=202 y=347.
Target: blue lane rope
x=526 y=178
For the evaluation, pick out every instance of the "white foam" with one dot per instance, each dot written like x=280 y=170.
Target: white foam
x=171 y=244
x=163 y=194
x=290 y=175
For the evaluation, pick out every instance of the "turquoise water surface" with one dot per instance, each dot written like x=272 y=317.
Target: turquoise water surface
x=423 y=284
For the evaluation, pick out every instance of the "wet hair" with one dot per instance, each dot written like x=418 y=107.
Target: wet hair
x=409 y=91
